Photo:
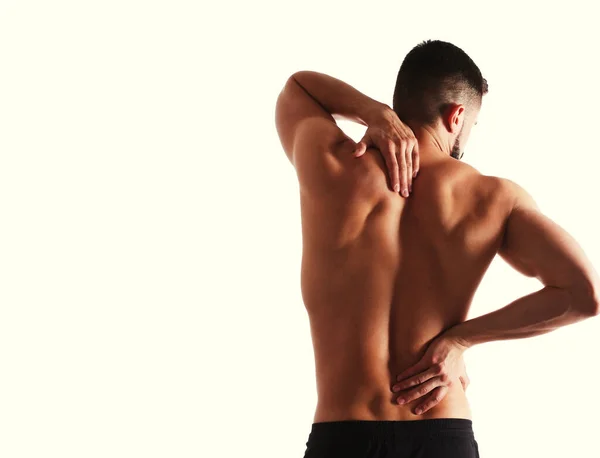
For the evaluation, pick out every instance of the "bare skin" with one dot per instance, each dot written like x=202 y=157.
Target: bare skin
x=382 y=275
x=387 y=280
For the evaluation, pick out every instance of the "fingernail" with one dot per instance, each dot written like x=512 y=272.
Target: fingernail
x=401 y=401
x=415 y=175
x=405 y=193
x=397 y=188
x=410 y=188
x=418 y=411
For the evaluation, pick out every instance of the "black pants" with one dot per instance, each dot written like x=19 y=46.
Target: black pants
x=436 y=438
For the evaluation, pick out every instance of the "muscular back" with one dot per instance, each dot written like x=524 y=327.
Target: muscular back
x=383 y=275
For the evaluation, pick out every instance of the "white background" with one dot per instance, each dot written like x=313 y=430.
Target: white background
x=150 y=226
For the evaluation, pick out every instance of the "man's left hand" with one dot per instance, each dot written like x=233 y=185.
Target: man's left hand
x=398 y=145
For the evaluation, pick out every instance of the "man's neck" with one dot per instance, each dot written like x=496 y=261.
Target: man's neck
x=431 y=146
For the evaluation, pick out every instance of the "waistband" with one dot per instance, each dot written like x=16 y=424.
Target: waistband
x=389 y=430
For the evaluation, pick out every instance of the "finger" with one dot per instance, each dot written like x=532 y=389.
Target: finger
x=392 y=165
x=419 y=391
x=432 y=400
x=416 y=379
x=409 y=165
x=416 y=369
x=416 y=159
x=361 y=148
x=403 y=169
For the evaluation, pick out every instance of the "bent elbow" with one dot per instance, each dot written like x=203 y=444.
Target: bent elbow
x=596 y=301
x=595 y=293
x=586 y=298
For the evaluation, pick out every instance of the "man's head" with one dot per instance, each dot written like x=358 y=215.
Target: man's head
x=440 y=86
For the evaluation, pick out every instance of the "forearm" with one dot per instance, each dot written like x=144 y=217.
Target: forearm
x=339 y=98
x=532 y=315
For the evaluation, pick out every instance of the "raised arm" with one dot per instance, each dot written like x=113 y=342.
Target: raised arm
x=306 y=112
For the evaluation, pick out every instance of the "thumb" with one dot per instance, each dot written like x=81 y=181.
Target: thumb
x=360 y=148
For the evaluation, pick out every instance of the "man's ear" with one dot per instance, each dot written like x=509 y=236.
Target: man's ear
x=454 y=117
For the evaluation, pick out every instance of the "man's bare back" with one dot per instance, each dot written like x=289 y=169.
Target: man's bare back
x=382 y=275
x=388 y=280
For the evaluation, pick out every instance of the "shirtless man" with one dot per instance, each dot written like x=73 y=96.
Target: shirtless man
x=387 y=281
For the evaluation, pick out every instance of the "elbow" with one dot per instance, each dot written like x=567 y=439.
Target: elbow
x=595 y=293
x=293 y=79
x=596 y=301
x=586 y=298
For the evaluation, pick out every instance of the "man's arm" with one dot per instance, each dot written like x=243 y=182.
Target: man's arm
x=537 y=247
x=315 y=98
x=305 y=121
x=339 y=98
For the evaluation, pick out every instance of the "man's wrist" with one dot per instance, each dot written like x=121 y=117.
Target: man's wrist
x=454 y=335
x=378 y=113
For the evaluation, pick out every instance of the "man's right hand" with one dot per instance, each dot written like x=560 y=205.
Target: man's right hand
x=431 y=377
x=398 y=145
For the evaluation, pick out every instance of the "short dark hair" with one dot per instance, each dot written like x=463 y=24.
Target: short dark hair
x=433 y=75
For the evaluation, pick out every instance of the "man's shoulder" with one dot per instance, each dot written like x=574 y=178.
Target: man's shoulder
x=504 y=187
x=488 y=190
x=457 y=174
x=505 y=193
